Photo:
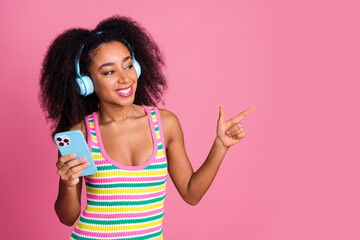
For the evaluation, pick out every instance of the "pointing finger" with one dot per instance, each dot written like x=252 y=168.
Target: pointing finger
x=242 y=114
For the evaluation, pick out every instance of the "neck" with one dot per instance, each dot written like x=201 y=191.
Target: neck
x=116 y=113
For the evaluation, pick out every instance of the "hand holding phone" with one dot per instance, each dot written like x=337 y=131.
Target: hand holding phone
x=69 y=168
x=73 y=142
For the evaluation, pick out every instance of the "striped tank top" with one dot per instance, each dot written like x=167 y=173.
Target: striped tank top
x=124 y=202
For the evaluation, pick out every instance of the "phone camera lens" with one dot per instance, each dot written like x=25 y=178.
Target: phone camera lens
x=61 y=144
x=59 y=139
x=66 y=140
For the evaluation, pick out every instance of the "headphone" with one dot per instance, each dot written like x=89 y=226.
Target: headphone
x=84 y=84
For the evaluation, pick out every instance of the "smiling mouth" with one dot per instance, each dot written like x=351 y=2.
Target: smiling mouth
x=125 y=92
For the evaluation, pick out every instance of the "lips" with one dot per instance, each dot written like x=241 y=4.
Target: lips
x=125 y=92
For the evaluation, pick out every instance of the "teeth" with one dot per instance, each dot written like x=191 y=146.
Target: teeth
x=124 y=91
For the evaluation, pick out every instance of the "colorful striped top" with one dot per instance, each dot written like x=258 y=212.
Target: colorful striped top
x=124 y=202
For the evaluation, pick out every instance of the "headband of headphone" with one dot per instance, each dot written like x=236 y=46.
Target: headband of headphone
x=84 y=84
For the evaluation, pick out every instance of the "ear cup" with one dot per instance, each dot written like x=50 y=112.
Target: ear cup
x=137 y=67
x=84 y=86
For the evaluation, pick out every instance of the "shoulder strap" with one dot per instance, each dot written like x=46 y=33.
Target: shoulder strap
x=90 y=128
x=157 y=124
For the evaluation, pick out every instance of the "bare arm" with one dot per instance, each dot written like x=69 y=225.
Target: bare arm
x=67 y=205
x=68 y=202
x=192 y=186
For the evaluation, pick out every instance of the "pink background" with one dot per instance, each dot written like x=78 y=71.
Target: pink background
x=296 y=173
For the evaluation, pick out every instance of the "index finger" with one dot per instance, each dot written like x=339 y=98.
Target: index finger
x=66 y=158
x=243 y=114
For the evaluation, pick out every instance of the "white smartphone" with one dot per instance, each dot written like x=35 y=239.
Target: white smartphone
x=74 y=142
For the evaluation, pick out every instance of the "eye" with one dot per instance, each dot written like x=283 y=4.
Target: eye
x=109 y=73
x=129 y=67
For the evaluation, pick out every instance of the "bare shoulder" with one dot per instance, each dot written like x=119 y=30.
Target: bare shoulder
x=80 y=126
x=171 y=125
x=168 y=118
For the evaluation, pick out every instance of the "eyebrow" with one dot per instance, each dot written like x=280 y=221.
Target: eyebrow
x=112 y=63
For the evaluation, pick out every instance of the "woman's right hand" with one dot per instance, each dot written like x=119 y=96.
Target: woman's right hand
x=67 y=171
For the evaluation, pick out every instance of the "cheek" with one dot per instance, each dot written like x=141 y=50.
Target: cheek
x=103 y=83
x=135 y=87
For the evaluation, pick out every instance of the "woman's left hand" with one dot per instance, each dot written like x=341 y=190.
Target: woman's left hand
x=230 y=132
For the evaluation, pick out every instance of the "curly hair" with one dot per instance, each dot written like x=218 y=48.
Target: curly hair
x=63 y=106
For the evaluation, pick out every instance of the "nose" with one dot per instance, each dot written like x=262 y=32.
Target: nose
x=123 y=78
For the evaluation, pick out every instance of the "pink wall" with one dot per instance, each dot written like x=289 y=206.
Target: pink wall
x=296 y=173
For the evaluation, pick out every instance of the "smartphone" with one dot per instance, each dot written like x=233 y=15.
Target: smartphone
x=74 y=142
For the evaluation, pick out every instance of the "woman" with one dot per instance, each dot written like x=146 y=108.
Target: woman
x=106 y=83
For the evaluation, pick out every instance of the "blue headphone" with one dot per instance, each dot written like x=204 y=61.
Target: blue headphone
x=84 y=84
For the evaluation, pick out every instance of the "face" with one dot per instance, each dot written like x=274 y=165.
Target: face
x=113 y=74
